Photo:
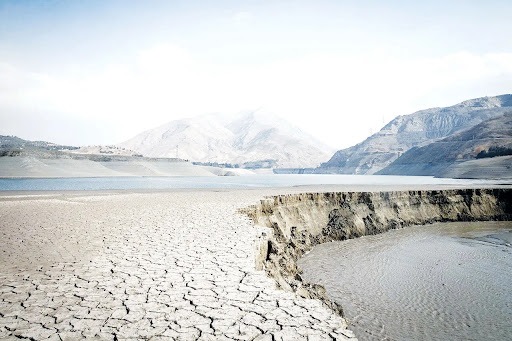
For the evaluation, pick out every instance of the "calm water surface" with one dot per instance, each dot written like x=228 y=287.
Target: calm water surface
x=273 y=180
x=448 y=281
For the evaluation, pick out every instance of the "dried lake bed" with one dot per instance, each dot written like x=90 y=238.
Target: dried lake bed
x=156 y=266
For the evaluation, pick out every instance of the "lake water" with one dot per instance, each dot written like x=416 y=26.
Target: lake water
x=272 y=180
x=449 y=281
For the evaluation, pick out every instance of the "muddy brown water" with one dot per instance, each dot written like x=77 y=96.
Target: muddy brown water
x=446 y=281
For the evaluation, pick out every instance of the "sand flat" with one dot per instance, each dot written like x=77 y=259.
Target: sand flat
x=164 y=265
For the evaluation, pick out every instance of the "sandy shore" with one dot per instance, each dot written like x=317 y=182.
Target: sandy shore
x=153 y=266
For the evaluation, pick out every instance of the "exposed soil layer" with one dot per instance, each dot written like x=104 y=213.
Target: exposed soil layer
x=298 y=222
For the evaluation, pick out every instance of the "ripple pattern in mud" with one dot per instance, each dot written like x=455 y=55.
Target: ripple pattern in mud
x=438 y=282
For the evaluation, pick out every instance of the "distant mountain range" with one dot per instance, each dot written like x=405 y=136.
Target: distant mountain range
x=472 y=139
x=423 y=128
x=254 y=138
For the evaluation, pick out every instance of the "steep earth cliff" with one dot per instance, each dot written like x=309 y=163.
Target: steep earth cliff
x=297 y=222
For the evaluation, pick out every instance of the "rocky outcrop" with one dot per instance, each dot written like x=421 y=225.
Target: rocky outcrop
x=414 y=130
x=298 y=222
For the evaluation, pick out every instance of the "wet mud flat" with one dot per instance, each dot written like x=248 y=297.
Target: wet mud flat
x=446 y=281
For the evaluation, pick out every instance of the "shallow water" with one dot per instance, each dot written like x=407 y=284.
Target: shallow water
x=449 y=281
x=251 y=181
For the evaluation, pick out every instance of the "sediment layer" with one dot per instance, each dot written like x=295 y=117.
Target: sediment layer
x=298 y=222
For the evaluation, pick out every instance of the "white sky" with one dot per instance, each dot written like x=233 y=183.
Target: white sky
x=99 y=72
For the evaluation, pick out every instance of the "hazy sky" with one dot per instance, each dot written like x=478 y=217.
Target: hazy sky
x=99 y=72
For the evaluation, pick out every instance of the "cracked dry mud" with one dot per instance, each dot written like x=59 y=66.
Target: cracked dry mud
x=150 y=266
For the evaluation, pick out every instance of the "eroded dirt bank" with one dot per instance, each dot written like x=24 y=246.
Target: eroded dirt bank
x=298 y=222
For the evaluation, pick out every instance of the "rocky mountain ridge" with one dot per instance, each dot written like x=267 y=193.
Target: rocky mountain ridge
x=491 y=138
x=414 y=130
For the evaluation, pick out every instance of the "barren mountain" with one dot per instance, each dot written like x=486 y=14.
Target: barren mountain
x=417 y=129
x=489 y=142
x=254 y=138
